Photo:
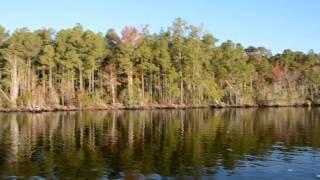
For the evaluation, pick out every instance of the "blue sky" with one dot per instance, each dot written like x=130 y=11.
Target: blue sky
x=275 y=24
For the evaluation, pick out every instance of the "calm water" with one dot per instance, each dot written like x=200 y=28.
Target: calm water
x=193 y=144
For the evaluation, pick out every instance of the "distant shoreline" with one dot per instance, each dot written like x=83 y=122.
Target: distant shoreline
x=78 y=69
x=149 y=107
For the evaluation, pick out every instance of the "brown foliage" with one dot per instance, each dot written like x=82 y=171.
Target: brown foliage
x=132 y=35
x=276 y=70
x=316 y=68
x=110 y=72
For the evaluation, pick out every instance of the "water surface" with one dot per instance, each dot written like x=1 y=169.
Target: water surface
x=281 y=143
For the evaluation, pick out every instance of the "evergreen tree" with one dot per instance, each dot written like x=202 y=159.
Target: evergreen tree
x=178 y=51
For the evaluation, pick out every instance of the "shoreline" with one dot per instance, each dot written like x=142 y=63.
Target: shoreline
x=149 y=107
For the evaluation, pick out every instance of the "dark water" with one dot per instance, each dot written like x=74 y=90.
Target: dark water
x=193 y=144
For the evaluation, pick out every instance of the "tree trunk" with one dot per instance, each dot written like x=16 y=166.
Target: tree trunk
x=89 y=87
x=92 y=81
x=142 y=86
x=14 y=87
x=181 y=79
x=165 y=92
x=200 y=97
x=160 y=88
x=316 y=89
x=62 y=84
x=50 y=78
x=181 y=87
x=73 y=86
x=150 y=86
x=113 y=82
x=130 y=86
x=29 y=80
x=43 y=81
x=80 y=80
x=113 y=94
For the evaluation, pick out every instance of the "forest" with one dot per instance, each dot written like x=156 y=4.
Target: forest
x=183 y=65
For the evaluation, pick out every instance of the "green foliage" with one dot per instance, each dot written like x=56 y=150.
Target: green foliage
x=314 y=77
x=3 y=35
x=135 y=98
x=4 y=102
x=91 y=102
x=46 y=58
x=25 y=43
x=264 y=70
x=25 y=100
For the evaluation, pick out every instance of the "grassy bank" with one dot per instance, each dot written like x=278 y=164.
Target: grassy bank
x=152 y=107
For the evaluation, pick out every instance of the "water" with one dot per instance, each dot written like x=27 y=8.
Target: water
x=270 y=143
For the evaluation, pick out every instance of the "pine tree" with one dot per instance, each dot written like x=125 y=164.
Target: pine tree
x=178 y=51
x=47 y=63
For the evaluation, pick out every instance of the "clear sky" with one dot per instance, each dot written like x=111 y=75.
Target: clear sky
x=275 y=24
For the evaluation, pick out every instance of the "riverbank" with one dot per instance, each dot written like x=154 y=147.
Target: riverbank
x=151 y=107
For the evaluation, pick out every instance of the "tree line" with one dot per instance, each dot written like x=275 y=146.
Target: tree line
x=184 y=65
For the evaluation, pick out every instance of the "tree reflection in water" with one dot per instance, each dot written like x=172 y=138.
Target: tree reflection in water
x=171 y=143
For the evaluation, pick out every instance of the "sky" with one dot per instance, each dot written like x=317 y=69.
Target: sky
x=274 y=24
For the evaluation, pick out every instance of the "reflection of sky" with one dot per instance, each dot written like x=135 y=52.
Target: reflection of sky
x=301 y=163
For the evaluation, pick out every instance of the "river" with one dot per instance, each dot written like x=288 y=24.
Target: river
x=270 y=143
